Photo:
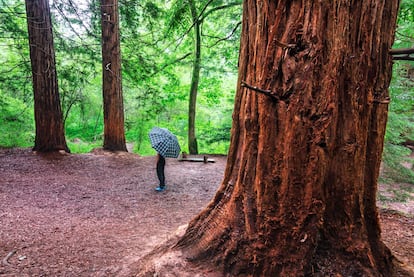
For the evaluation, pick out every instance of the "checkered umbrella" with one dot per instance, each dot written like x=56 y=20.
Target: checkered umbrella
x=164 y=142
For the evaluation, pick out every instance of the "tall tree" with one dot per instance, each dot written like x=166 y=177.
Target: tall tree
x=197 y=11
x=299 y=191
x=195 y=77
x=114 y=133
x=48 y=114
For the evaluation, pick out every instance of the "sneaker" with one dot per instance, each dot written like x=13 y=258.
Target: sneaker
x=159 y=188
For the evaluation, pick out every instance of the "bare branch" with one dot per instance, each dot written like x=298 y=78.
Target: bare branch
x=265 y=92
x=217 y=9
x=403 y=58
x=227 y=37
x=402 y=54
x=203 y=14
x=401 y=51
x=173 y=62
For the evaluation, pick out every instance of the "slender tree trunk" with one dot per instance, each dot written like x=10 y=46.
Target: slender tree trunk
x=50 y=135
x=114 y=133
x=298 y=195
x=192 y=140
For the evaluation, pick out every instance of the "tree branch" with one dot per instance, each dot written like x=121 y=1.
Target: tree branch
x=403 y=58
x=265 y=92
x=401 y=51
x=170 y=63
x=402 y=54
x=217 y=9
x=197 y=19
x=203 y=14
x=227 y=37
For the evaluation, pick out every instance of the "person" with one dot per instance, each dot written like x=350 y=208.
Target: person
x=167 y=146
x=160 y=172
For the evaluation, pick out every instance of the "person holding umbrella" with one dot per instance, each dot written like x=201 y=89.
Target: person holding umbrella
x=167 y=146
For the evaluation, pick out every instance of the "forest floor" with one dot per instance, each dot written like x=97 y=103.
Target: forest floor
x=97 y=214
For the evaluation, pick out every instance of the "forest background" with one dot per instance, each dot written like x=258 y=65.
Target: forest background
x=157 y=48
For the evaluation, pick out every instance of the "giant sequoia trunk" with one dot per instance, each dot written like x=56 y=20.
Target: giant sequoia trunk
x=298 y=195
x=50 y=135
x=114 y=133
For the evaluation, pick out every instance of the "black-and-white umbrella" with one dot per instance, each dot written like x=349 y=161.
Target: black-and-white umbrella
x=164 y=142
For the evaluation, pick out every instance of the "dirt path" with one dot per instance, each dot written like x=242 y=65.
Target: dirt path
x=97 y=214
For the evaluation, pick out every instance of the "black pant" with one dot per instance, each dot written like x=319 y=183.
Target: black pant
x=160 y=170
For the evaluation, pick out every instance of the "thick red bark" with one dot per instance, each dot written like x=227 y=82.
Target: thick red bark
x=114 y=132
x=298 y=195
x=50 y=135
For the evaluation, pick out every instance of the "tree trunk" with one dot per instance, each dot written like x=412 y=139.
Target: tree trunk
x=114 y=133
x=298 y=195
x=192 y=140
x=50 y=134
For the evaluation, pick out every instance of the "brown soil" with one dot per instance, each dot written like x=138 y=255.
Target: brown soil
x=97 y=214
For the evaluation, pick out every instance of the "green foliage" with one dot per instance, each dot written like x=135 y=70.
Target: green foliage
x=400 y=125
x=16 y=115
x=157 y=73
x=396 y=193
x=395 y=156
x=406 y=13
x=15 y=69
x=79 y=146
x=178 y=17
x=16 y=125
